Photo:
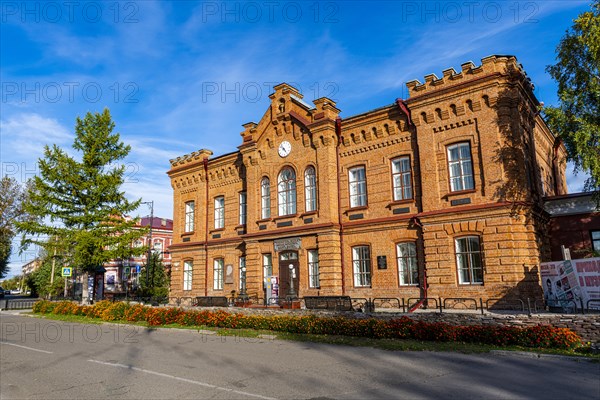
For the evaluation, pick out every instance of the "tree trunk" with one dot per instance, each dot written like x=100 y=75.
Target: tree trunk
x=85 y=293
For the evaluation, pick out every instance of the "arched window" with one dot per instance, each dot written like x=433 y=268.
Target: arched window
x=265 y=196
x=310 y=189
x=286 y=190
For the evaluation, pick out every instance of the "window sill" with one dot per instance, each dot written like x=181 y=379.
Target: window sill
x=243 y=226
x=187 y=233
x=398 y=202
x=290 y=216
x=362 y=287
x=306 y=214
x=350 y=210
x=471 y=284
x=409 y=285
x=460 y=193
x=260 y=221
x=216 y=230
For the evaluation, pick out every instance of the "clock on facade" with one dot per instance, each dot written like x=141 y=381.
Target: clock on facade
x=285 y=148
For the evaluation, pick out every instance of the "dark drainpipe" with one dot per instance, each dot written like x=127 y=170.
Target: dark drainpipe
x=338 y=131
x=205 y=163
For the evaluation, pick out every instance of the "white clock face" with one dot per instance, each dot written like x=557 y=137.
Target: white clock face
x=284 y=148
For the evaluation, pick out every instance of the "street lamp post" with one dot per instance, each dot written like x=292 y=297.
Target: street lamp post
x=151 y=205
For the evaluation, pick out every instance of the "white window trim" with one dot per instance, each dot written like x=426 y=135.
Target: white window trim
x=218 y=271
x=412 y=259
x=243 y=208
x=357 y=189
x=402 y=188
x=189 y=215
x=361 y=278
x=470 y=253
x=188 y=269
x=219 y=212
x=310 y=189
x=314 y=280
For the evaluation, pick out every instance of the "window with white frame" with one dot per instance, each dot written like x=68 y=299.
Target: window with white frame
x=313 y=269
x=361 y=262
x=286 y=190
x=358 y=186
x=267 y=265
x=310 y=189
x=187 y=275
x=158 y=247
x=242 y=208
x=218 y=277
x=242 y=266
x=595 y=240
x=189 y=216
x=265 y=198
x=468 y=260
x=460 y=167
x=401 y=178
x=408 y=271
x=219 y=212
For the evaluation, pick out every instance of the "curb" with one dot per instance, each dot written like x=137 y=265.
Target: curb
x=527 y=354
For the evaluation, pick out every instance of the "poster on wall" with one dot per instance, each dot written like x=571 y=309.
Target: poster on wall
x=570 y=284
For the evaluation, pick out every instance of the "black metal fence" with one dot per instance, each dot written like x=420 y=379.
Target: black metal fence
x=17 y=304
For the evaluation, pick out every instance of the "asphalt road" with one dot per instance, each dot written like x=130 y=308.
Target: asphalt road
x=43 y=359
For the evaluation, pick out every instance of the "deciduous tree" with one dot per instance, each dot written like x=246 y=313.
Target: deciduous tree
x=577 y=71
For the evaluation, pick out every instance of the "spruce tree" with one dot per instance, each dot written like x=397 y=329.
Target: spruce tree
x=79 y=201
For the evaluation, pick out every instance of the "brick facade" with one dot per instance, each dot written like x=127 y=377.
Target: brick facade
x=485 y=116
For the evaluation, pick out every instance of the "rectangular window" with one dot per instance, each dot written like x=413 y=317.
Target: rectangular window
x=313 y=269
x=189 y=216
x=219 y=212
x=468 y=260
x=460 y=167
x=242 y=271
x=187 y=275
x=595 y=240
x=361 y=261
x=218 y=274
x=408 y=270
x=267 y=265
x=358 y=187
x=243 y=208
x=401 y=178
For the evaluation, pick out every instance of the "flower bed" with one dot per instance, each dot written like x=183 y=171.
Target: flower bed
x=400 y=328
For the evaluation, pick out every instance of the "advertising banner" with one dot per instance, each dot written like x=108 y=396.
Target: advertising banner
x=572 y=283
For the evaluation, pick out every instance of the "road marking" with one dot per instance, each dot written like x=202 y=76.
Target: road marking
x=208 y=385
x=25 y=347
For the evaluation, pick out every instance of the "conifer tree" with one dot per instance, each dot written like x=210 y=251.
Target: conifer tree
x=78 y=200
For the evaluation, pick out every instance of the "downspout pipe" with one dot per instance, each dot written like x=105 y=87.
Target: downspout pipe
x=403 y=106
x=338 y=132
x=205 y=163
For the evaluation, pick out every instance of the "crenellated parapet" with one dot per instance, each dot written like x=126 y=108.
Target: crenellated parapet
x=490 y=66
x=190 y=158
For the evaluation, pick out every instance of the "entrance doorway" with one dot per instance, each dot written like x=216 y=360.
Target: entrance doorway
x=286 y=259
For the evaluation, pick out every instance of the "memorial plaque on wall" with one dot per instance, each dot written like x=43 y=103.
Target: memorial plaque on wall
x=287 y=244
x=381 y=262
x=229 y=273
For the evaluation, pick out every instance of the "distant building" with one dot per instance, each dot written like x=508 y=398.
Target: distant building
x=574 y=224
x=162 y=236
x=439 y=195
x=31 y=266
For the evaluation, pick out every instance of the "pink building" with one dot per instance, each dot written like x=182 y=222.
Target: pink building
x=118 y=271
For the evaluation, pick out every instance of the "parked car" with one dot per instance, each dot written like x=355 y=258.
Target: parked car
x=1 y=292
x=15 y=291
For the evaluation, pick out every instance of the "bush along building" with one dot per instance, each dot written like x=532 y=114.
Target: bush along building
x=439 y=195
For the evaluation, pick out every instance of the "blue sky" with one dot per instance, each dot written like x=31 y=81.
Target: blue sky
x=183 y=75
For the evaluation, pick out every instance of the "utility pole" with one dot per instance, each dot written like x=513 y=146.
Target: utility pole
x=151 y=204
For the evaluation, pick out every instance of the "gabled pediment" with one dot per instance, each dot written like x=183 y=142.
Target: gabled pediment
x=289 y=116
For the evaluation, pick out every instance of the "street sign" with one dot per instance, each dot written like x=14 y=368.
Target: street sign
x=137 y=268
x=67 y=271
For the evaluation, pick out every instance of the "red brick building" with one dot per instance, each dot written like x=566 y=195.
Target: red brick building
x=438 y=195
x=574 y=224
